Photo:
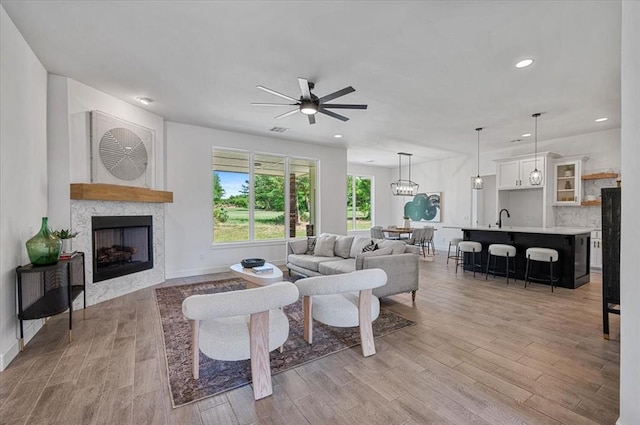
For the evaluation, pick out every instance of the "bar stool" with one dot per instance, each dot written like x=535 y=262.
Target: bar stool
x=472 y=248
x=453 y=242
x=542 y=255
x=501 y=250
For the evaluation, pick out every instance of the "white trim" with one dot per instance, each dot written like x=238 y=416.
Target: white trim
x=14 y=349
x=210 y=270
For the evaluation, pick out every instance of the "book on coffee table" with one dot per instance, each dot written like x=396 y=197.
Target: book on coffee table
x=263 y=269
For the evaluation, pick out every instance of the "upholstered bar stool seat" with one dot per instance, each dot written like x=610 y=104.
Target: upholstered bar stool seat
x=505 y=251
x=543 y=255
x=472 y=248
x=453 y=242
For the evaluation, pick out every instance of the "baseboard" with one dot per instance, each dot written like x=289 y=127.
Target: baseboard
x=14 y=349
x=209 y=270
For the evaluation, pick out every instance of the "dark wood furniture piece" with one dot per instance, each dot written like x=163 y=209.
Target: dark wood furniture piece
x=611 y=214
x=45 y=291
x=572 y=270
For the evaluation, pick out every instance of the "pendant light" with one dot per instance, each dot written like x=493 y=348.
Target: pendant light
x=404 y=187
x=477 y=181
x=535 y=178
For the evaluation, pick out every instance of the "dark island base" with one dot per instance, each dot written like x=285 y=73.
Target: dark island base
x=571 y=269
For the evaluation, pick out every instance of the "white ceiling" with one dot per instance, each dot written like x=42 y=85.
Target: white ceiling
x=431 y=72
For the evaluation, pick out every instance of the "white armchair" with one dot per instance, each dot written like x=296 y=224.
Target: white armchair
x=240 y=325
x=343 y=300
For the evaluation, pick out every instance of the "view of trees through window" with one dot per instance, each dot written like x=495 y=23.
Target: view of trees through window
x=358 y=203
x=257 y=210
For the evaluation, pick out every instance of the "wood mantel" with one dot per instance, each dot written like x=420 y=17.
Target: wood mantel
x=113 y=192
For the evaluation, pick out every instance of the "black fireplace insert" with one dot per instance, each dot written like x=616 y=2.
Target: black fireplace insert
x=121 y=245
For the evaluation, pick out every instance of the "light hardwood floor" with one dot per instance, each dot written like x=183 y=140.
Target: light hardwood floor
x=481 y=353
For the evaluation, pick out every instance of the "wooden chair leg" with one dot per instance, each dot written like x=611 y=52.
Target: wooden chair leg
x=195 y=349
x=307 y=306
x=364 y=319
x=259 y=351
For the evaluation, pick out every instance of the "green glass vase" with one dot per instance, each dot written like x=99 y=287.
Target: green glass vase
x=44 y=248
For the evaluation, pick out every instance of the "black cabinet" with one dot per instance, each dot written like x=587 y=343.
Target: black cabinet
x=611 y=215
x=45 y=291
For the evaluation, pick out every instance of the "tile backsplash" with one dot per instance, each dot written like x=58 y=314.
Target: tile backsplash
x=584 y=216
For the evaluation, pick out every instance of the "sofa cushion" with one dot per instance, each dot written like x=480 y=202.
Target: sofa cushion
x=298 y=247
x=398 y=247
x=377 y=253
x=324 y=245
x=343 y=265
x=359 y=242
x=342 y=246
x=309 y=262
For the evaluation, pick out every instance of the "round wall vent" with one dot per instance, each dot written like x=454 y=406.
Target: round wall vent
x=123 y=153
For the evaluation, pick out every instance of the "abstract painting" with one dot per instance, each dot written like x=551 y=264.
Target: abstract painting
x=425 y=207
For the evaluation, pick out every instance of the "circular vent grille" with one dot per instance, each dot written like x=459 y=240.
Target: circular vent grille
x=123 y=153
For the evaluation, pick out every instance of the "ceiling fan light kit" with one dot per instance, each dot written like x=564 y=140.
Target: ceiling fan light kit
x=402 y=187
x=309 y=104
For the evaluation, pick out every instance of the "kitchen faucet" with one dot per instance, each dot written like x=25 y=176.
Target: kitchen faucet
x=499 y=223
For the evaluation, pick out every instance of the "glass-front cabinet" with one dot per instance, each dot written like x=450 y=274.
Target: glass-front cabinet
x=567 y=181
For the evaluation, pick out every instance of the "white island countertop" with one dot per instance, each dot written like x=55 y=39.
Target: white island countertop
x=543 y=230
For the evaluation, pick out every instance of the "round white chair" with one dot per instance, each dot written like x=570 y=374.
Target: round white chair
x=453 y=242
x=240 y=325
x=546 y=255
x=469 y=247
x=501 y=250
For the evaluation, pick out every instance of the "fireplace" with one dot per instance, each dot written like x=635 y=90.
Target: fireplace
x=121 y=245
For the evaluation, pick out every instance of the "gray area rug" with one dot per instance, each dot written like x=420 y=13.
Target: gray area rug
x=219 y=376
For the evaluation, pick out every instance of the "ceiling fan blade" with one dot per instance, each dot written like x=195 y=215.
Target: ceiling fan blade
x=304 y=88
x=273 y=104
x=342 y=106
x=312 y=119
x=284 y=96
x=286 y=114
x=333 y=114
x=336 y=94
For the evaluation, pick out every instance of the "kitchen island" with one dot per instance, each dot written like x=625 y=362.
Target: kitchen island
x=572 y=244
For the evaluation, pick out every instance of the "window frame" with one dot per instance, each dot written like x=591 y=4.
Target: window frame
x=264 y=242
x=353 y=227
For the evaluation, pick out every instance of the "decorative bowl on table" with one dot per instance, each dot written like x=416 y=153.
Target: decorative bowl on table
x=248 y=263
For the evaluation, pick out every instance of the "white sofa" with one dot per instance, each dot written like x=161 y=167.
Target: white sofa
x=337 y=254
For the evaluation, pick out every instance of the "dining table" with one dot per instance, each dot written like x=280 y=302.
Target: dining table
x=399 y=231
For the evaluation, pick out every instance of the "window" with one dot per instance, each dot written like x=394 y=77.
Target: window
x=359 y=202
x=250 y=201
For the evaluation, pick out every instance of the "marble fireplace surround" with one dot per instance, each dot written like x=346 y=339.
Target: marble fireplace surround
x=120 y=201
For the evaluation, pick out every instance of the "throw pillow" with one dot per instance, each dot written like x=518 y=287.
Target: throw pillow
x=398 y=247
x=324 y=246
x=371 y=247
x=359 y=242
x=311 y=245
x=360 y=258
x=342 y=246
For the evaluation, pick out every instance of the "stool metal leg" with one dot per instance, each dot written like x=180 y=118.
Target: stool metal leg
x=449 y=252
x=508 y=268
x=473 y=262
x=551 y=272
x=526 y=273
x=486 y=272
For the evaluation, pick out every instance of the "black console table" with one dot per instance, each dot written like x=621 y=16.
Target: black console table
x=45 y=291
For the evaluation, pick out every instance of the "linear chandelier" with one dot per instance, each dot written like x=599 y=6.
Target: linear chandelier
x=404 y=187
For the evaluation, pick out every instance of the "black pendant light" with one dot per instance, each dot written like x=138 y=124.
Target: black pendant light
x=535 y=178
x=477 y=181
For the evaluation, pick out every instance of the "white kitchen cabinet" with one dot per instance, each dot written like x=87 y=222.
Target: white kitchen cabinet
x=567 y=181
x=596 y=249
x=514 y=174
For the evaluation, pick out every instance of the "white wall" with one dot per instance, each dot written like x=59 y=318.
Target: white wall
x=382 y=178
x=189 y=219
x=70 y=104
x=630 y=249
x=23 y=170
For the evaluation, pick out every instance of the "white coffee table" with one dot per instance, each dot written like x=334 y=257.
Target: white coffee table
x=264 y=278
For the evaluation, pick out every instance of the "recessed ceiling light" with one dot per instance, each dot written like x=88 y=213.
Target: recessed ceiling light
x=515 y=140
x=526 y=135
x=524 y=63
x=369 y=160
x=602 y=119
x=144 y=100
x=338 y=136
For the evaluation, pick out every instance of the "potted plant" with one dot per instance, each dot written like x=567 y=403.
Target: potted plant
x=65 y=235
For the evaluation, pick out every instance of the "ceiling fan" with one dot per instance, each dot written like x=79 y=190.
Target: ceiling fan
x=310 y=104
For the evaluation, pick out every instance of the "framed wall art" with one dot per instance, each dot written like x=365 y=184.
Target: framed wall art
x=425 y=207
